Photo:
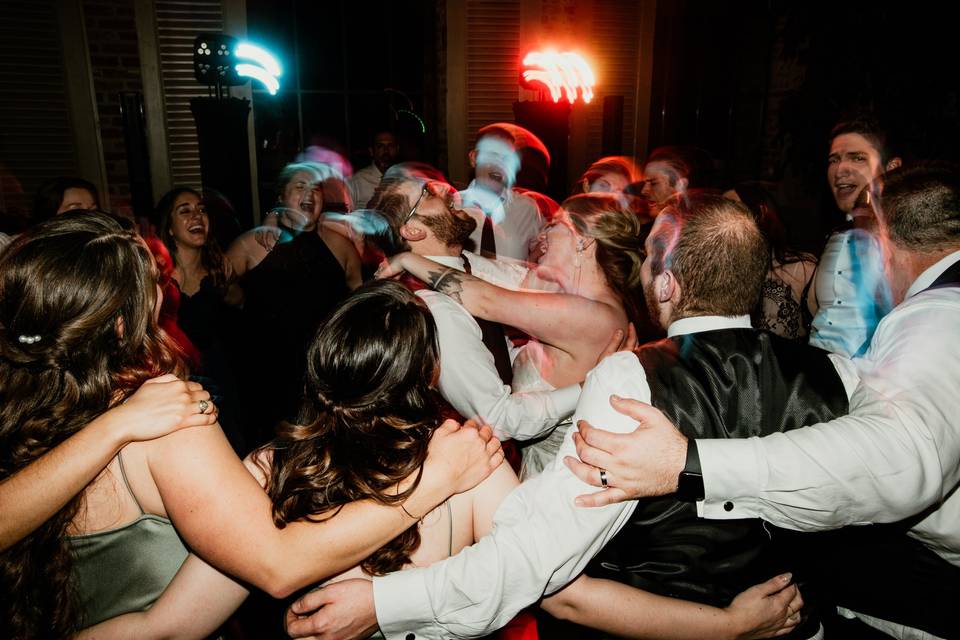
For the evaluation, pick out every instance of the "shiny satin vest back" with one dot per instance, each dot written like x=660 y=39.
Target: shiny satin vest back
x=729 y=383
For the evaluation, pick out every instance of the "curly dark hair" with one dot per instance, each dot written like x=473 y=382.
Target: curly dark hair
x=371 y=408
x=211 y=256
x=77 y=335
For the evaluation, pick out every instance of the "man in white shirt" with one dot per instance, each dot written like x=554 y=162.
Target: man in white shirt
x=384 y=149
x=541 y=540
x=849 y=284
x=507 y=221
x=472 y=373
x=895 y=456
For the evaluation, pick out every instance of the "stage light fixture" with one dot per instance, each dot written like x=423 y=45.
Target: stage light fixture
x=563 y=74
x=220 y=60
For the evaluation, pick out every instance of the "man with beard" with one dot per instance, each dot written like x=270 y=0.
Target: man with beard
x=475 y=358
x=702 y=276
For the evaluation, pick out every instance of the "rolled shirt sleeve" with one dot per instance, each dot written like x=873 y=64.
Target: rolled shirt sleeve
x=540 y=540
x=470 y=383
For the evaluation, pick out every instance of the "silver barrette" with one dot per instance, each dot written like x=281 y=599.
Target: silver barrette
x=24 y=339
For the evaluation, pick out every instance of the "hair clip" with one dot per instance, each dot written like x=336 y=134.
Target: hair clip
x=24 y=339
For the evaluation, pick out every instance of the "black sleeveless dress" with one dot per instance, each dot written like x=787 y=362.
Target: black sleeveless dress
x=288 y=295
x=212 y=327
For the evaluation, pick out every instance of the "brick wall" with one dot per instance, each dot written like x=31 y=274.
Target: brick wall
x=115 y=66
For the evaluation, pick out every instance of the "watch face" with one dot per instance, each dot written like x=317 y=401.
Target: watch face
x=690 y=487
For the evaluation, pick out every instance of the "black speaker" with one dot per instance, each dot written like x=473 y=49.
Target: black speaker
x=138 y=158
x=612 y=141
x=549 y=121
x=224 y=153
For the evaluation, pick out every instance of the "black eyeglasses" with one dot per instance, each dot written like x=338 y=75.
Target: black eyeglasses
x=448 y=195
x=413 y=211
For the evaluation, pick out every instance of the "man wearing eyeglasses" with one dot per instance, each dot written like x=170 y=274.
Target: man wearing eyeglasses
x=475 y=356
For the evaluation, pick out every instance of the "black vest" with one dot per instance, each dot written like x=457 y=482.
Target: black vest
x=730 y=383
x=949 y=278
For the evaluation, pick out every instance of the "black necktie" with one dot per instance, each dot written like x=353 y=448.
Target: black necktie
x=488 y=244
x=494 y=339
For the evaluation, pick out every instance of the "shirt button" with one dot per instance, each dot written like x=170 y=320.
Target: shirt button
x=839 y=301
x=839 y=273
x=728 y=506
x=410 y=636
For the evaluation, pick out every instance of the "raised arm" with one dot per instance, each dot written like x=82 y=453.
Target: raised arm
x=35 y=493
x=345 y=253
x=764 y=611
x=225 y=517
x=469 y=380
x=571 y=323
x=250 y=248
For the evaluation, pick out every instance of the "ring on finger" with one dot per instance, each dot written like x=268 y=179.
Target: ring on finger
x=603 y=478
x=204 y=405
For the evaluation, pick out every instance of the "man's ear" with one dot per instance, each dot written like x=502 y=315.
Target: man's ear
x=473 y=158
x=412 y=234
x=893 y=163
x=666 y=286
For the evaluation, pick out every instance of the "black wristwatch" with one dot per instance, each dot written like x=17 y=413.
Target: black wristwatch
x=690 y=481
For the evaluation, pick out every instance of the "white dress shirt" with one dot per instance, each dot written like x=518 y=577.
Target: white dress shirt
x=516 y=219
x=852 y=293
x=896 y=453
x=468 y=376
x=363 y=184
x=540 y=539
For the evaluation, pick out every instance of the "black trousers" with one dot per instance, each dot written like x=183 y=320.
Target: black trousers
x=880 y=571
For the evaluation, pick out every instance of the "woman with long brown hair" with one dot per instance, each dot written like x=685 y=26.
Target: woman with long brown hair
x=78 y=335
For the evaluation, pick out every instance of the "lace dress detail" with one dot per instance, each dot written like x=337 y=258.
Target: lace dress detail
x=779 y=312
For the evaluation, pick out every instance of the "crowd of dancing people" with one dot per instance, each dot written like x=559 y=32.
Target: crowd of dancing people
x=401 y=408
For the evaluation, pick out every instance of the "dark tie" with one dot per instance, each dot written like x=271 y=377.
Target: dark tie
x=488 y=244
x=494 y=338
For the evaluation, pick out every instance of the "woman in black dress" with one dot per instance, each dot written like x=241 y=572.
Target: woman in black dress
x=206 y=289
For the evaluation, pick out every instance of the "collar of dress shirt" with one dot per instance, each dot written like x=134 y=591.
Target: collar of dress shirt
x=933 y=272
x=505 y=196
x=454 y=262
x=697 y=324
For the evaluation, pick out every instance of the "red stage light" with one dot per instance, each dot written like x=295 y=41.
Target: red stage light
x=561 y=73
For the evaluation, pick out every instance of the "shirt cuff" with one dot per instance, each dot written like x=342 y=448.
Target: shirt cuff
x=733 y=477
x=565 y=400
x=403 y=606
